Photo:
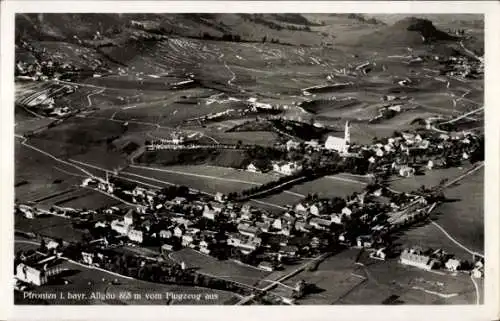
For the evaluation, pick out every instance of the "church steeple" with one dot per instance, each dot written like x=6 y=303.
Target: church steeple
x=347 y=133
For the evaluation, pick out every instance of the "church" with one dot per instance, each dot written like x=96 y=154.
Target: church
x=338 y=144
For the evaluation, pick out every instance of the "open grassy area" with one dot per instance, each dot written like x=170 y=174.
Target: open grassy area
x=37 y=175
x=228 y=269
x=50 y=226
x=463 y=217
x=210 y=179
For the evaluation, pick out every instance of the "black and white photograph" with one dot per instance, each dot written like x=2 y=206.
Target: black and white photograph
x=248 y=159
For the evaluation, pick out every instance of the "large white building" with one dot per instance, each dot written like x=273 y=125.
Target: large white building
x=338 y=144
x=35 y=275
x=287 y=168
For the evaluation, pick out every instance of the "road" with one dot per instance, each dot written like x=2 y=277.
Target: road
x=91 y=94
x=24 y=143
x=463 y=116
x=476 y=287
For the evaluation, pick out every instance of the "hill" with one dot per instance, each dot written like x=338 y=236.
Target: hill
x=408 y=31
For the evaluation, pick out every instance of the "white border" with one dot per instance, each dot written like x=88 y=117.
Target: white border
x=488 y=311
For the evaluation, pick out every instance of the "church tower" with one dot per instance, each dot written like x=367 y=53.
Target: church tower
x=347 y=133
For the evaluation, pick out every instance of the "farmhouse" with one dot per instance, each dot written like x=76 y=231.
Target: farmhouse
x=179 y=200
x=120 y=227
x=291 y=145
x=136 y=235
x=416 y=258
x=248 y=230
x=287 y=168
x=319 y=223
x=406 y=171
x=165 y=234
x=27 y=211
x=252 y=168
x=165 y=248
x=210 y=211
x=179 y=230
x=364 y=241
x=452 y=264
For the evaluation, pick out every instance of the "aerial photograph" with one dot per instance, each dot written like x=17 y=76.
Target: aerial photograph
x=248 y=159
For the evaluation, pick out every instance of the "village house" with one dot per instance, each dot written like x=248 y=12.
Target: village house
x=336 y=218
x=291 y=145
x=165 y=234
x=120 y=227
x=317 y=209
x=248 y=230
x=364 y=241
x=88 y=258
x=346 y=211
x=263 y=226
x=245 y=244
x=179 y=230
x=406 y=171
x=136 y=235
x=453 y=264
x=302 y=226
x=52 y=245
x=211 y=211
x=301 y=208
x=187 y=239
x=252 y=168
x=379 y=254
x=320 y=224
x=289 y=250
x=179 y=200
x=27 y=211
x=312 y=144
x=128 y=219
x=220 y=197
x=416 y=258
x=166 y=248
x=286 y=168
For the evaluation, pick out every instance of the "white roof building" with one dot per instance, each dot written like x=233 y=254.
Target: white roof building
x=288 y=168
x=338 y=144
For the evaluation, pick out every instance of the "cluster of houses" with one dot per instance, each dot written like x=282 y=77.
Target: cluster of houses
x=439 y=259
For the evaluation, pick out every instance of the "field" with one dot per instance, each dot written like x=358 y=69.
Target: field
x=430 y=179
x=462 y=217
x=229 y=270
x=372 y=282
x=50 y=226
x=86 y=280
x=210 y=179
x=37 y=175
